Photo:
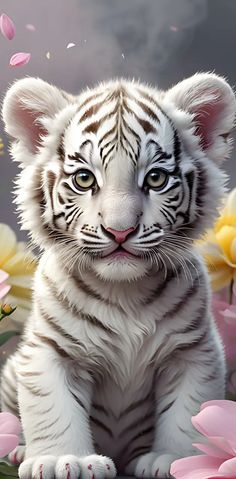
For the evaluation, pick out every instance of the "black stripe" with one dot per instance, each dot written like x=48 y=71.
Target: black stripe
x=94 y=96
x=146 y=109
x=177 y=147
x=155 y=294
x=50 y=436
x=185 y=298
x=61 y=298
x=100 y=408
x=144 y=432
x=137 y=452
x=51 y=321
x=137 y=404
x=92 y=110
x=136 y=423
x=106 y=135
x=146 y=125
x=101 y=425
x=167 y=407
x=94 y=126
x=104 y=157
x=33 y=390
x=78 y=401
x=51 y=342
x=85 y=288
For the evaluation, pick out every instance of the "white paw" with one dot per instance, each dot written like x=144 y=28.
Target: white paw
x=97 y=467
x=17 y=455
x=67 y=467
x=154 y=465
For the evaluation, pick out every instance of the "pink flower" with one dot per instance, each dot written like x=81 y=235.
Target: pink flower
x=217 y=422
x=4 y=288
x=231 y=386
x=19 y=59
x=9 y=431
x=225 y=316
x=7 y=27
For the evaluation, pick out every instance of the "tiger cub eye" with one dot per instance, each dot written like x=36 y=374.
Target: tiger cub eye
x=156 y=178
x=84 y=179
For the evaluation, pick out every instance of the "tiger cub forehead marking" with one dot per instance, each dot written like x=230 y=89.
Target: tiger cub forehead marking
x=120 y=120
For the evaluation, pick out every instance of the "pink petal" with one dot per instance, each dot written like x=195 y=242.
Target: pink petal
x=7 y=27
x=8 y=442
x=19 y=59
x=195 y=467
x=4 y=288
x=224 y=403
x=219 y=475
x=217 y=420
x=229 y=447
x=30 y=27
x=212 y=450
x=9 y=424
x=228 y=467
x=3 y=276
x=230 y=312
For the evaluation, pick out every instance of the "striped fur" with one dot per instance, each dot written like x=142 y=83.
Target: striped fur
x=118 y=353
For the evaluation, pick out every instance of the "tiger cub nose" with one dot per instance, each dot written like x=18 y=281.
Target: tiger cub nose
x=120 y=235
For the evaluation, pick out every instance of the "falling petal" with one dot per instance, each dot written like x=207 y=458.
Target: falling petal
x=30 y=27
x=70 y=45
x=123 y=55
x=48 y=55
x=173 y=28
x=7 y=27
x=19 y=59
x=85 y=41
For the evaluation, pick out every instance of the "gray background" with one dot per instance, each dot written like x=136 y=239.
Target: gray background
x=158 y=41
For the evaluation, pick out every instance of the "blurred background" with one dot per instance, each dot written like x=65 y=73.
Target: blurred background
x=156 y=41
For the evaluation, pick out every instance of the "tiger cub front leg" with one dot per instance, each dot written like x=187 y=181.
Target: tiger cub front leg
x=192 y=376
x=55 y=418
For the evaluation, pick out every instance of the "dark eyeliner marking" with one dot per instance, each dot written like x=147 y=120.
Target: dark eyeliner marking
x=78 y=157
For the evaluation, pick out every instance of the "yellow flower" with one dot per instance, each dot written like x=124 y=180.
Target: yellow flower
x=1 y=147
x=20 y=264
x=219 y=246
x=6 y=309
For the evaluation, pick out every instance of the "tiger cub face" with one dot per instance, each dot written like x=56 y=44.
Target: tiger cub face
x=121 y=178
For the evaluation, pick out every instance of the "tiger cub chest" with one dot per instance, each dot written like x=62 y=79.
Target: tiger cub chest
x=119 y=417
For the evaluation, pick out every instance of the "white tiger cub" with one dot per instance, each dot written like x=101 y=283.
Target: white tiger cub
x=121 y=347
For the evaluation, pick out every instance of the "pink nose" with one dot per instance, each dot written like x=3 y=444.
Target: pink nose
x=120 y=236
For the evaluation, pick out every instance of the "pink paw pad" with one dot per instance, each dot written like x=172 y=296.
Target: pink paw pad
x=41 y=471
x=14 y=459
x=157 y=473
x=68 y=471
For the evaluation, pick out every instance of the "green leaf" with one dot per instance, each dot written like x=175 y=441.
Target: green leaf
x=8 y=471
x=231 y=396
x=4 y=337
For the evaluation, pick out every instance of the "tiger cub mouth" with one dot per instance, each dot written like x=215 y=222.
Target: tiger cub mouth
x=119 y=252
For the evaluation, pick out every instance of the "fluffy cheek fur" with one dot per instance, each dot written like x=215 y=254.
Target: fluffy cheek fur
x=120 y=269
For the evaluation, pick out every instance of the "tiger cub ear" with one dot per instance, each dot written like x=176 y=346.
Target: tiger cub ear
x=25 y=104
x=211 y=101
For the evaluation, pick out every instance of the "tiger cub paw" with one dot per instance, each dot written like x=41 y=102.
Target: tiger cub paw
x=16 y=456
x=151 y=465
x=67 y=467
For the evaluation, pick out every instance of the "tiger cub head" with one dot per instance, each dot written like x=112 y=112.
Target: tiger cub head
x=124 y=177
